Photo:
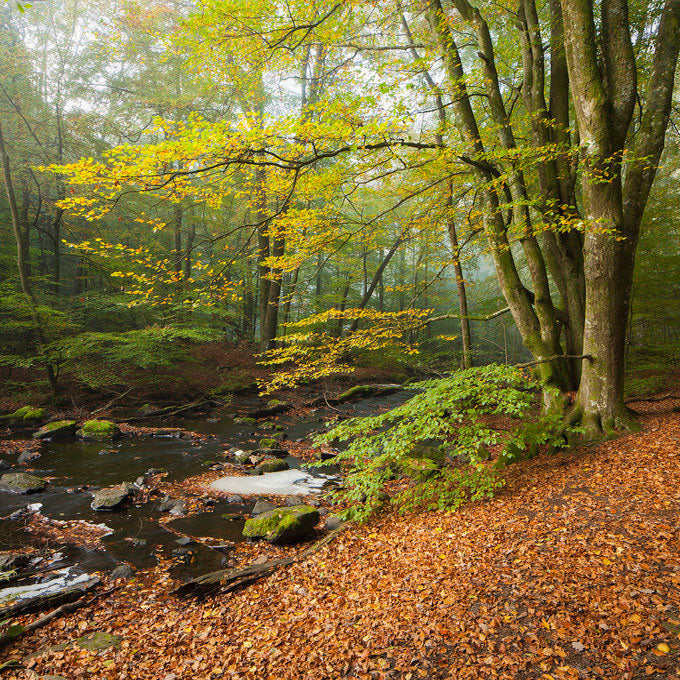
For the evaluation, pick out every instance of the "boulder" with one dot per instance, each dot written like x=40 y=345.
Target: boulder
x=20 y=482
x=245 y=421
x=100 y=430
x=268 y=443
x=283 y=525
x=272 y=453
x=235 y=499
x=293 y=501
x=26 y=416
x=271 y=465
x=59 y=429
x=27 y=457
x=110 y=498
x=4 y=465
x=242 y=457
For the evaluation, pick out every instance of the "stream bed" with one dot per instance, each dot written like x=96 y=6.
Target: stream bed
x=134 y=534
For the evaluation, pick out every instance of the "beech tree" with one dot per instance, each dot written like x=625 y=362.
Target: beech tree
x=536 y=116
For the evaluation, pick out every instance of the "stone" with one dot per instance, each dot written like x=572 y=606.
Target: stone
x=268 y=443
x=98 y=642
x=139 y=542
x=166 y=504
x=242 y=457
x=245 y=421
x=59 y=429
x=292 y=501
x=324 y=455
x=271 y=465
x=27 y=457
x=178 y=508
x=25 y=416
x=262 y=506
x=100 y=430
x=20 y=482
x=124 y=571
x=271 y=453
x=334 y=522
x=185 y=540
x=235 y=500
x=4 y=465
x=13 y=561
x=283 y=525
x=110 y=498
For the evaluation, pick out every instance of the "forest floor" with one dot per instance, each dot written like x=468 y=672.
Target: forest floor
x=573 y=571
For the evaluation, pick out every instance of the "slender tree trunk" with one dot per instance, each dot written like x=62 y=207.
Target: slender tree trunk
x=21 y=259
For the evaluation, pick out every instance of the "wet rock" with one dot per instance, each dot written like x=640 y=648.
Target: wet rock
x=271 y=453
x=140 y=482
x=20 y=482
x=283 y=525
x=334 y=522
x=235 y=500
x=4 y=465
x=272 y=465
x=139 y=542
x=11 y=561
x=166 y=504
x=292 y=501
x=27 y=457
x=100 y=430
x=185 y=540
x=180 y=552
x=60 y=429
x=262 y=506
x=124 y=571
x=178 y=509
x=268 y=443
x=242 y=457
x=110 y=498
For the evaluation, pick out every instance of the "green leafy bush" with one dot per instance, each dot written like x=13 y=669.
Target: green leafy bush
x=453 y=419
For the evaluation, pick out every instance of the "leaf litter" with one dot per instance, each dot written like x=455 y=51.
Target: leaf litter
x=573 y=571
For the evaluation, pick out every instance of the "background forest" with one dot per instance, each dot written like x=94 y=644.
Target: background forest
x=186 y=231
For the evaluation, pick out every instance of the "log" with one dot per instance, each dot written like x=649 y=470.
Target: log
x=170 y=411
x=227 y=580
x=42 y=602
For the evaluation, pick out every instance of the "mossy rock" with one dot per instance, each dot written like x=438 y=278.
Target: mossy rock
x=273 y=465
x=274 y=403
x=98 y=642
x=268 y=443
x=283 y=525
x=25 y=416
x=245 y=421
x=20 y=482
x=358 y=392
x=59 y=429
x=101 y=430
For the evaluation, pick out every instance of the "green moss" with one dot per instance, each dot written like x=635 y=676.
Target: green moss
x=245 y=421
x=268 y=443
x=357 y=392
x=274 y=465
x=98 y=642
x=282 y=525
x=26 y=415
x=99 y=429
x=59 y=429
x=273 y=403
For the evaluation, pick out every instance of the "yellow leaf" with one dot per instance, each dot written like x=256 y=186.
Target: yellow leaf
x=663 y=648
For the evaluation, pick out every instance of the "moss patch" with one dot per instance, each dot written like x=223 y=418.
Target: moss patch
x=99 y=429
x=283 y=525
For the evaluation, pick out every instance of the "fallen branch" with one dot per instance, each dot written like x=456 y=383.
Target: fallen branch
x=170 y=411
x=588 y=357
x=55 y=613
x=113 y=401
x=227 y=580
x=41 y=602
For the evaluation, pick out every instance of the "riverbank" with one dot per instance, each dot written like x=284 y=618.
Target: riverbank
x=573 y=571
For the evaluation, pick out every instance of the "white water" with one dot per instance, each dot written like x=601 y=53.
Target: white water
x=284 y=483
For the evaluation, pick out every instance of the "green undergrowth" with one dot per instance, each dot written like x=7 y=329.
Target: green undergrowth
x=456 y=419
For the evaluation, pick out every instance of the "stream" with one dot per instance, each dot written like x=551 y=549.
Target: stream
x=76 y=468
